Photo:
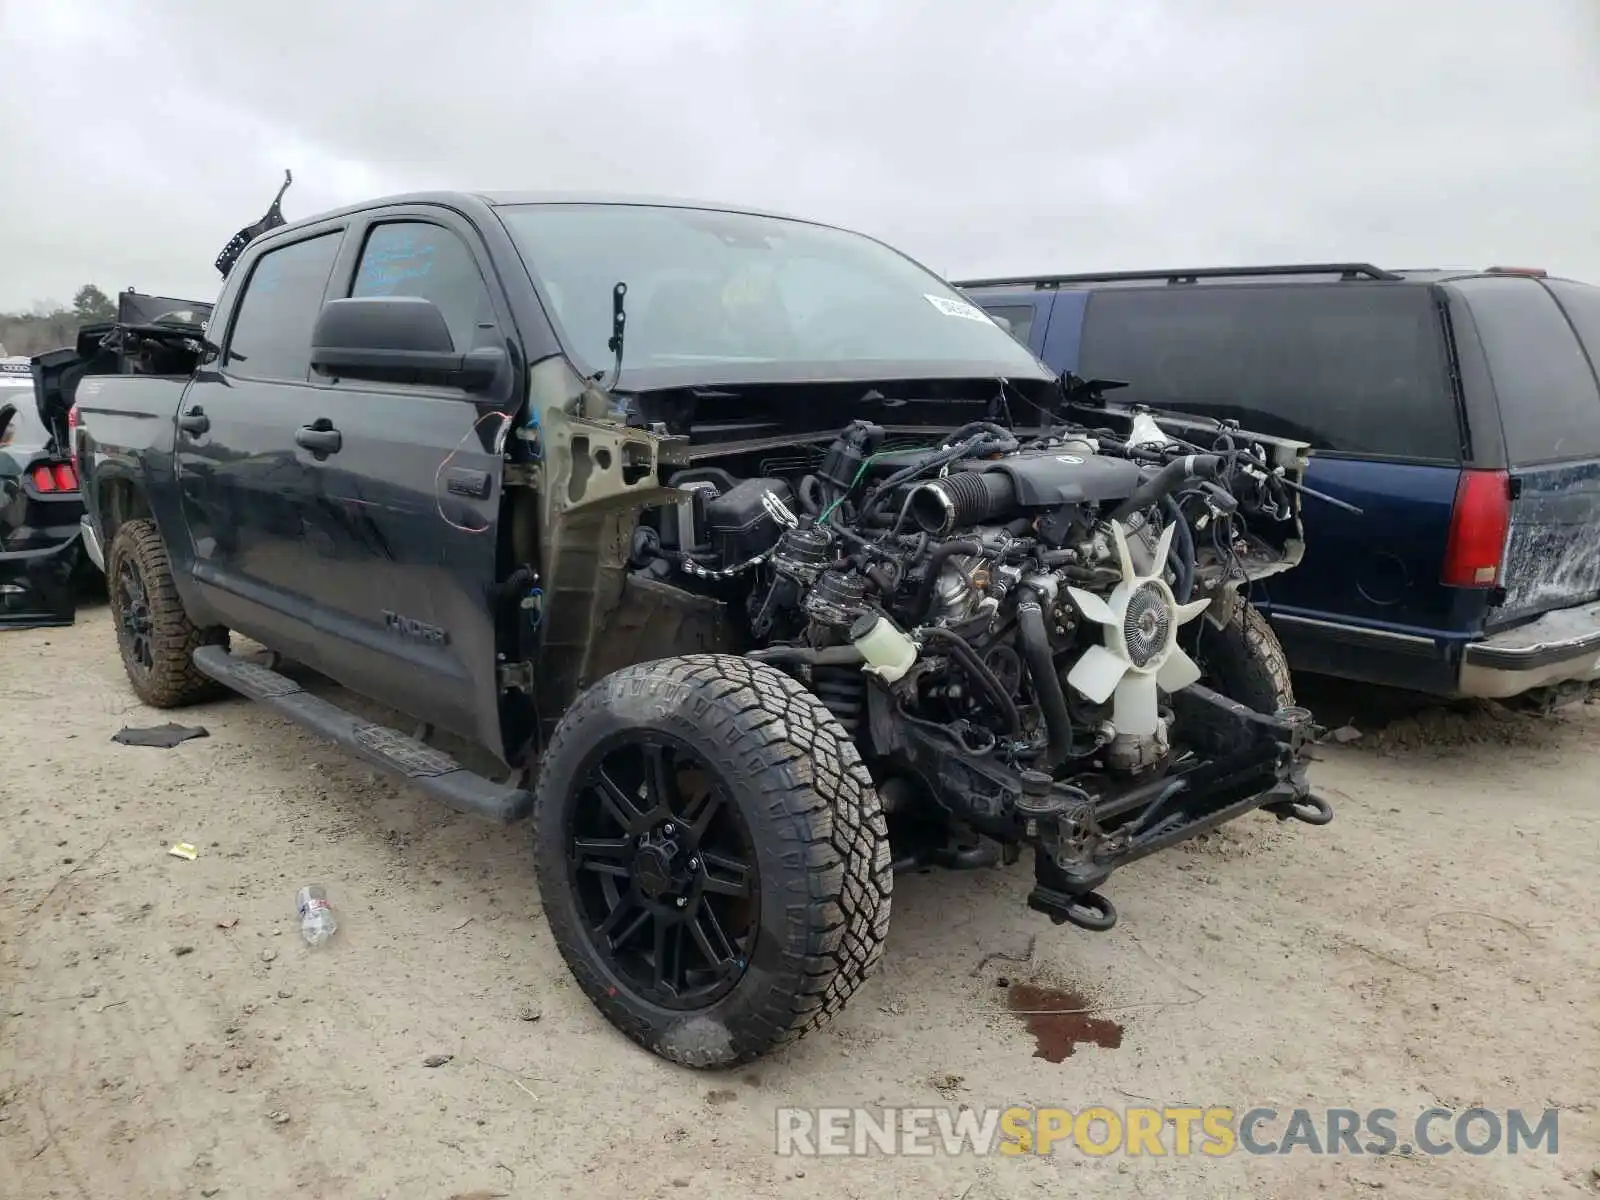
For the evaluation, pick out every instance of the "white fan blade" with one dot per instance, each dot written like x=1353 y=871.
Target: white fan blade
x=1163 y=548
x=1093 y=607
x=1183 y=613
x=1124 y=557
x=1135 y=709
x=1179 y=671
x=1097 y=673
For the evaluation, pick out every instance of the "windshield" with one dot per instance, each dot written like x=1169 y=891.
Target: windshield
x=721 y=297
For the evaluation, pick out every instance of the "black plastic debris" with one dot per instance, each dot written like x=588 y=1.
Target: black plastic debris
x=163 y=737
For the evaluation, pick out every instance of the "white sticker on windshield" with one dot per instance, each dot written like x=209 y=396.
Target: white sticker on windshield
x=958 y=308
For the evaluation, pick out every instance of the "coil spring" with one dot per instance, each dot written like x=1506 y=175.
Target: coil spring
x=844 y=692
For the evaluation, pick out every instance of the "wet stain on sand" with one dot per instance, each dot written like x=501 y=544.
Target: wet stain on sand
x=1060 y=1021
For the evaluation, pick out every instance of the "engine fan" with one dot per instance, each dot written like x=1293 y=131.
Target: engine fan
x=1141 y=653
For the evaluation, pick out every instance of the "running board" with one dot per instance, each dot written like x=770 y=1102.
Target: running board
x=434 y=771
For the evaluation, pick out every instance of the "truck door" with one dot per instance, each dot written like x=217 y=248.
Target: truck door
x=243 y=481
x=404 y=509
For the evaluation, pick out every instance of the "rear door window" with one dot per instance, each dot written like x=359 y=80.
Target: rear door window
x=1351 y=368
x=1549 y=401
x=271 y=336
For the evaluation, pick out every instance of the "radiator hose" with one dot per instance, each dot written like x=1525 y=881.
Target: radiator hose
x=1166 y=481
x=1046 y=683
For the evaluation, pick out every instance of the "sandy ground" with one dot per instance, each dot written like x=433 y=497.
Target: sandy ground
x=165 y=1033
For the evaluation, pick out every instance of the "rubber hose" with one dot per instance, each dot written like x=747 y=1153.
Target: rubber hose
x=811 y=495
x=1182 y=550
x=1168 y=480
x=1005 y=440
x=981 y=672
x=515 y=584
x=1046 y=684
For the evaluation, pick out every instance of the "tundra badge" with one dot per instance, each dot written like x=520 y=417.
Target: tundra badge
x=409 y=627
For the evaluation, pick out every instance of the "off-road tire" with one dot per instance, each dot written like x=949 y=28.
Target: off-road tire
x=171 y=680
x=1244 y=660
x=820 y=841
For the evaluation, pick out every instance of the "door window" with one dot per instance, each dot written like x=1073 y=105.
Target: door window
x=417 y=258
x=271 y=337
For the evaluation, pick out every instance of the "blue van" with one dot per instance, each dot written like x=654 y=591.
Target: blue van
x=1458 y=410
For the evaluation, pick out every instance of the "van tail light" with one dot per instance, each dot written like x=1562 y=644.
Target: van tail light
x=1478 y=527
x=55 y=479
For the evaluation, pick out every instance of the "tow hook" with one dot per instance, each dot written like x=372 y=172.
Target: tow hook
x=1045 y=807
x=1313 y=810
x=1086 y=910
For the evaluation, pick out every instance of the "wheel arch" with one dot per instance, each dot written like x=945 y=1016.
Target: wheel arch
x=120 y=498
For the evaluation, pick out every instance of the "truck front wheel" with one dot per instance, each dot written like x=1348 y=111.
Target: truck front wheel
x=1243 y=660
x=154 y=634
x=712 y=857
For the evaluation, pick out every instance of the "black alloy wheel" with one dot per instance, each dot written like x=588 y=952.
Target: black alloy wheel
x=712 y=857
x=665 y=871
x=156 y=639
x=134 y=624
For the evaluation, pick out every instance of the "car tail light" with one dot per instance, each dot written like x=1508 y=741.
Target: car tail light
x=55 y=479
x=1478 y=527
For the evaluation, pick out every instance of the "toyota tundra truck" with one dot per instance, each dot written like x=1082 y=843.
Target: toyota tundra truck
x=763 y=563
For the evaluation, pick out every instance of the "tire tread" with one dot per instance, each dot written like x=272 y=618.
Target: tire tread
x=174 y=680
x=823 y=806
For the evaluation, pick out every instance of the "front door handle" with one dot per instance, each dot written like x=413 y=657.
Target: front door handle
x=319 y=437
x=194 y=421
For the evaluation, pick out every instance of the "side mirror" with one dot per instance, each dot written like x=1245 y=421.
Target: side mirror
x=396 y=339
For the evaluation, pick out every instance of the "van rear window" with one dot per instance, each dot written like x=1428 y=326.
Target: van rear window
x=1350 y=368
x=1549 y=402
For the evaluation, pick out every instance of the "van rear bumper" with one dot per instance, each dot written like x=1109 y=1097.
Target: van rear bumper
x=1559 y=647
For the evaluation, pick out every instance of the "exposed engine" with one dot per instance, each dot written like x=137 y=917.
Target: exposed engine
x=1001 y=623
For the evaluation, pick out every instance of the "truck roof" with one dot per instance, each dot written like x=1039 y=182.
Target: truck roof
x=496 y=199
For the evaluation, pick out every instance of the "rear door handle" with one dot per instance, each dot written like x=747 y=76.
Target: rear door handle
x=319 y=437
x=194 y=421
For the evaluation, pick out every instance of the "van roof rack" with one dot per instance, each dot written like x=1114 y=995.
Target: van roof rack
x=1345 y=271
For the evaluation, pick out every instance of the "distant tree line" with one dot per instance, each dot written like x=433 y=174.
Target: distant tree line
x=49 y=325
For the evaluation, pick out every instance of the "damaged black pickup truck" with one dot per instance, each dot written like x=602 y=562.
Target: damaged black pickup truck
x=764 y=562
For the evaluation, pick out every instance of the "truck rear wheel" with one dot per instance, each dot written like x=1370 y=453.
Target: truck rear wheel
x=712 y=857
x=154 y=634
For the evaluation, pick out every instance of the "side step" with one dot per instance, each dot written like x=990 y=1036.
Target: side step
x=434 y=771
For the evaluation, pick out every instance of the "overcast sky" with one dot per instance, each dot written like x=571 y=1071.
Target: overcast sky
x=136 y=137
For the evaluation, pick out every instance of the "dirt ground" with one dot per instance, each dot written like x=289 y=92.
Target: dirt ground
x=165 y=1033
